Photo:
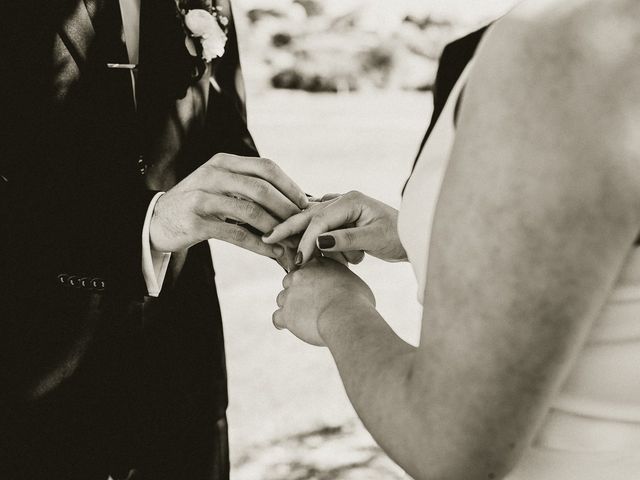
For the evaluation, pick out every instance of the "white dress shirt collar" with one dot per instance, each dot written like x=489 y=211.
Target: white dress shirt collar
x=130 y=10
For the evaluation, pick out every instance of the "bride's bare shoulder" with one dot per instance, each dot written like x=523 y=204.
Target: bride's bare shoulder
x=573 y=13
x=586 y=51
x=605 y=31
x=568 y=70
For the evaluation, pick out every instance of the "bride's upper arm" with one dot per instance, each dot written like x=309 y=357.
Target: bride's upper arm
x=539 y=208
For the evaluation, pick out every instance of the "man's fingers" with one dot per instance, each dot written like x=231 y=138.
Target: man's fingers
x=330 y=196
x=291 y=242
x=287 y=260
x=261 y=192
x=290 y=227
x=243 y=238
x=325 y=198
x=265 y=169
x=245 y=211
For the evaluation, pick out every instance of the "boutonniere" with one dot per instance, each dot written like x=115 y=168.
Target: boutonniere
x=205 y=27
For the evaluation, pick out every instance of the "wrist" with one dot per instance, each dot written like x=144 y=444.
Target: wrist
x=400 y=254
x=341 y=311
x=157 y=238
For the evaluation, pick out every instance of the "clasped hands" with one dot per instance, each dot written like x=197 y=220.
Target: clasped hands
x=312 y=240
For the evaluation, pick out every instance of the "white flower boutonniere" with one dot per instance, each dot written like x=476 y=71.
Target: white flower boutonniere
x=209 y=28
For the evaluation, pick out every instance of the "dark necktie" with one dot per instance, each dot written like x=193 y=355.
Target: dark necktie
x=107 y=22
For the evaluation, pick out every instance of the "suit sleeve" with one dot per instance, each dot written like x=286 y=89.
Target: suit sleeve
x=75 y=205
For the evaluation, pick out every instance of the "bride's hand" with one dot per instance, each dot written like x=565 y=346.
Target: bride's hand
x=323 y=287
x=348 y=223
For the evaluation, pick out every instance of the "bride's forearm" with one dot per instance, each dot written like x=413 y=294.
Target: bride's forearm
x=375 y=367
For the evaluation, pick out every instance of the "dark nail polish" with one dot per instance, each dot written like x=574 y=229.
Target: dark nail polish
x=326 y=241
x=268 y=234
x=299 y=258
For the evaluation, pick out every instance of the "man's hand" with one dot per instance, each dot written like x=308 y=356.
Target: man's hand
x=250 y=190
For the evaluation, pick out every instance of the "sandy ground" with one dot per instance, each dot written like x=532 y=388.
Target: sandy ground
x=289 y=416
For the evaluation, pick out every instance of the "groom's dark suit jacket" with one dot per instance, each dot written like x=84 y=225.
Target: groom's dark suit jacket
x=95 y=377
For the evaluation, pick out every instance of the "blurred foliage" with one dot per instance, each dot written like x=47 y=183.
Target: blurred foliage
x=307 y=45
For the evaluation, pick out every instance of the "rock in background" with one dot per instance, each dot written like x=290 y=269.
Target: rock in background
x=349 y=45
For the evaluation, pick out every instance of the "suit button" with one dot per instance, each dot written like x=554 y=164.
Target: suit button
x=84 y=282
x=142 y=166
x=98 y=284
x=62 y=279
x=73 y=281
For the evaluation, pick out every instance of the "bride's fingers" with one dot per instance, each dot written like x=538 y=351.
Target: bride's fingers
x=290 y=227
x=281 y=298
x=288 y=280
x=340 y=213
x=278 y=320
x=349 y=239
x=338 y=257
x=354 y=257
x=294 y=226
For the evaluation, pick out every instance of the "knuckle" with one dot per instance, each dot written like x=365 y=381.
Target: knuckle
x=277 y=321
x=349 y=237
x=251 y=210
x=352 y=195
x=269 y=166
x=261 y=188
x=196 y=200
x=239 y=235
x=217 y=159
x=212 y=171
x=191 y=224
x=213 y=176
x=294 y=277
x=319 y=222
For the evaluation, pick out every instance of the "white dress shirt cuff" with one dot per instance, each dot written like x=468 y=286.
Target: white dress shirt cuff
x=154 y=264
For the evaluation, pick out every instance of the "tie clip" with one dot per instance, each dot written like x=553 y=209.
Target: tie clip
x=122 y=66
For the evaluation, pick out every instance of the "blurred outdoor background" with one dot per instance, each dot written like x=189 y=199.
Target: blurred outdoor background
x=339 y=95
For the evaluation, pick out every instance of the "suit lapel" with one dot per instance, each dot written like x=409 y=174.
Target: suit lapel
x=92 y=9
x=77 y=32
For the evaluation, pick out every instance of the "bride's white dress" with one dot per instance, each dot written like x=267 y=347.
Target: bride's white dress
x=592 y=431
